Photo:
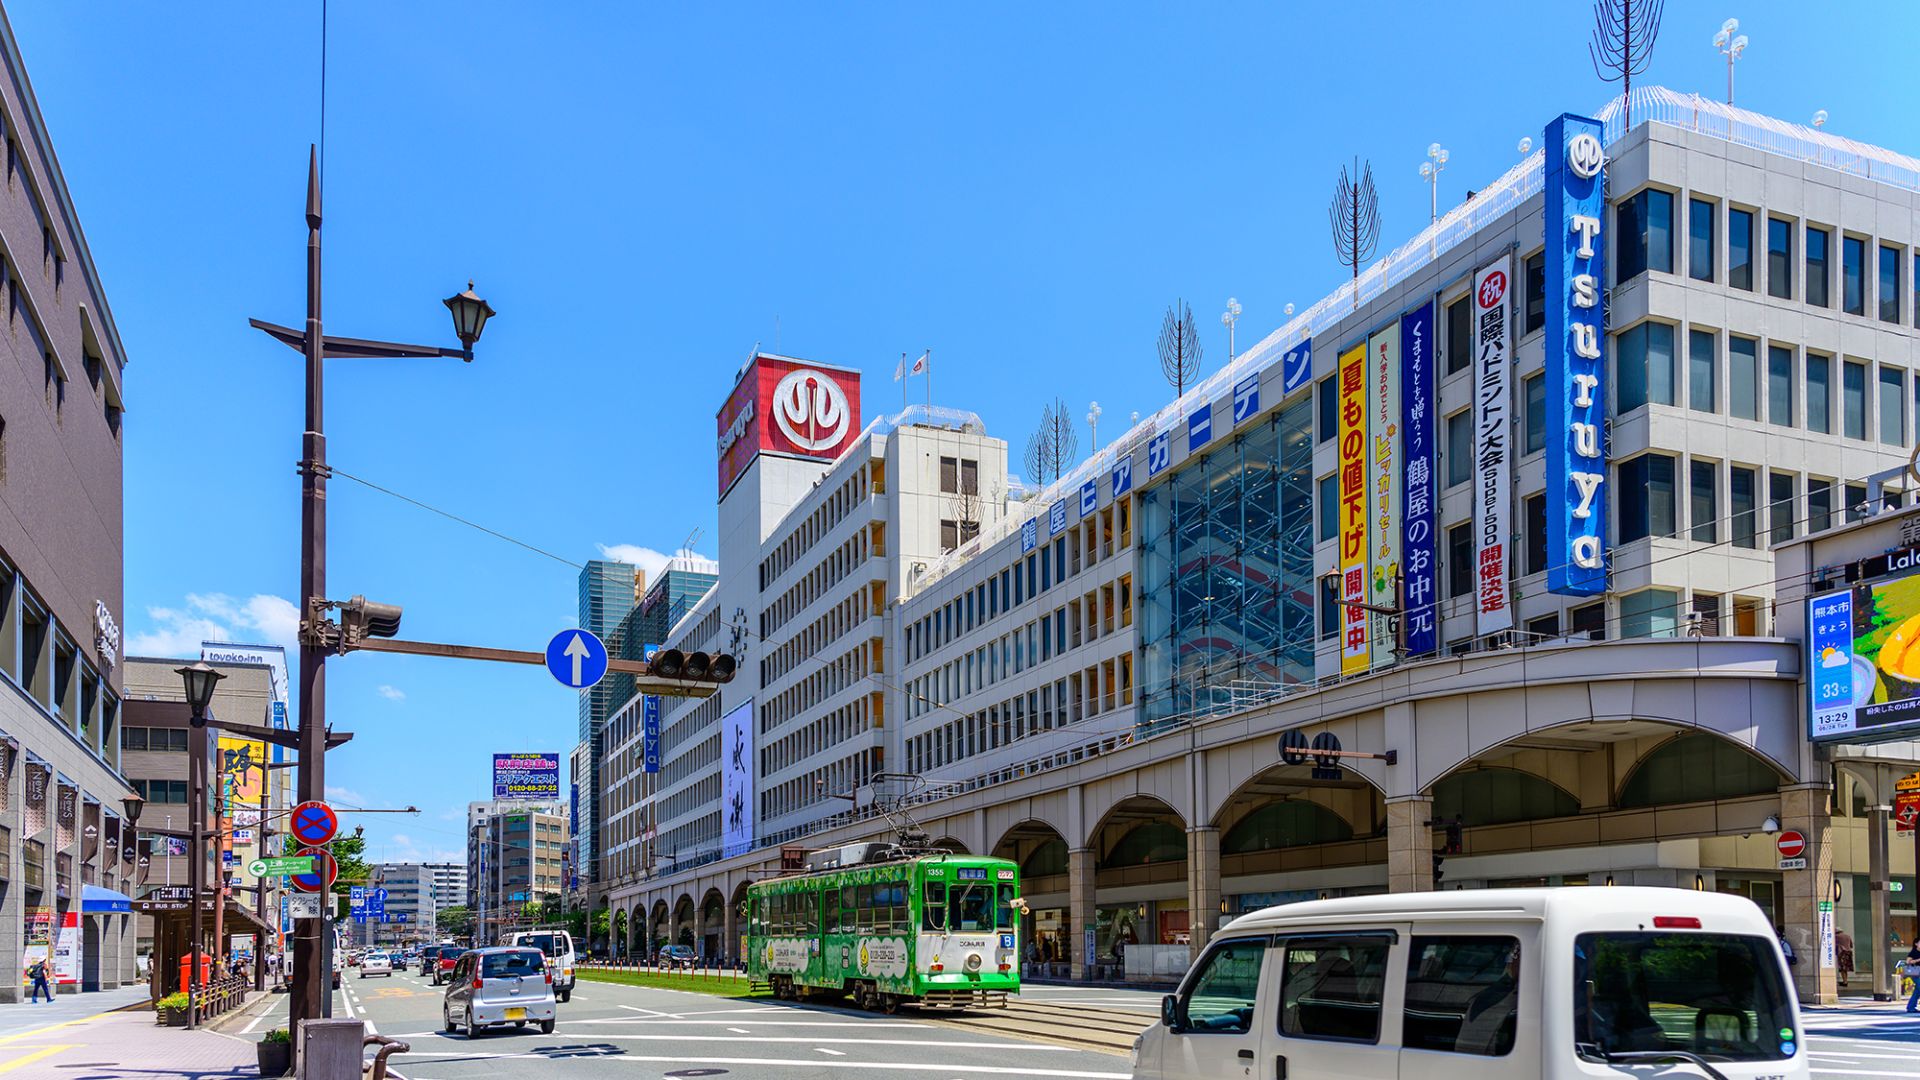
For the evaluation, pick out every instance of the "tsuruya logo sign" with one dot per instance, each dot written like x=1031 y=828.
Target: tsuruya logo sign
x=811 y=410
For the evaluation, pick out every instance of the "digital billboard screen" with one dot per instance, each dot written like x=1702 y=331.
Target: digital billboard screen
x=1863 y=661
x=527 y=777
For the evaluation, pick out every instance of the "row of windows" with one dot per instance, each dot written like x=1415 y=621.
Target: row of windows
x=50 y=668
x=868 y=479
x=815 y=583
x=827 y=679
x=161 y=791
x=833 y=779
x=1089 y=692
x=819 y=732
x=144 y=738
x=809 y=642
x=1105 y=610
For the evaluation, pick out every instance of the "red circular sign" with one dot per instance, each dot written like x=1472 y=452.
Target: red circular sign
x=1791 y=845
x=1493 y=289
x=325 y=871
x=313 y=823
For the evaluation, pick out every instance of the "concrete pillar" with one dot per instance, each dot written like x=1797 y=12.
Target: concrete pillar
x=1409 y=844
x=13 y=931
x=1804 y=808
x=1080 y=918
x=1883 y=956
x=1203 y=886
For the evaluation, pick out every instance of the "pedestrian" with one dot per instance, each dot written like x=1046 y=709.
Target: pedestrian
x=1843 y=954
x=1910 y=967
x=38 y=973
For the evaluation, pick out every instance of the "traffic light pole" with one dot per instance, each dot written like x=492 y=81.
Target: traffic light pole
x=310 y=982
x=645 y=681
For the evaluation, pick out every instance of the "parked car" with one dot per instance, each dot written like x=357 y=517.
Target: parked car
x=677 y=956
x=338 y=963
x=557 y=946
x=376 y=963
x=499 y=986
x=444 y=964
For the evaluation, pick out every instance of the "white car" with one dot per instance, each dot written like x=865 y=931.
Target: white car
x=376 y=963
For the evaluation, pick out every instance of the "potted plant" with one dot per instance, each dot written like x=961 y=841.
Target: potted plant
x=172 y=1009
x=275 y=1052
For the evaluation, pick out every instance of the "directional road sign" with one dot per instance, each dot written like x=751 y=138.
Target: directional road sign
x=313 y=823
x=577 y=658
x=279 y=866
x=321 y=878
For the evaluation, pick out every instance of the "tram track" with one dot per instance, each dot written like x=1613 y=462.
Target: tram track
x=1081 y=1026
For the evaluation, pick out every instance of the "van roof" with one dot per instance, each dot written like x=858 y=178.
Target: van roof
x=1573 y=901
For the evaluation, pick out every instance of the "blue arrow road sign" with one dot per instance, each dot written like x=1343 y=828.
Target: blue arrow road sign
x=577 y=658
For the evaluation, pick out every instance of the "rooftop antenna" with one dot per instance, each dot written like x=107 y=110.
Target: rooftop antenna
x=1355 y=217
x=686 y=548
x=1622 y=44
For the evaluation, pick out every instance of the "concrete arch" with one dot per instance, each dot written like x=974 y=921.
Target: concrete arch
x=710 y=935
x=948 y=843
x=617 y=926
x=1129 y=812
x=737 y=919
x=1354 y=798
x=659 y=924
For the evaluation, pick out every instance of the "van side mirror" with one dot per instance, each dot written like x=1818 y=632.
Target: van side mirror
x=1172 y=1013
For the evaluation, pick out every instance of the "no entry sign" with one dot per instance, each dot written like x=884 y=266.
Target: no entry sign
x=1792 y=845
x=313 y=823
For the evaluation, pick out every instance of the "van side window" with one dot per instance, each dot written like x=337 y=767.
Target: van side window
x=1222 y=996
x=1463 y=995
x=1331 y=987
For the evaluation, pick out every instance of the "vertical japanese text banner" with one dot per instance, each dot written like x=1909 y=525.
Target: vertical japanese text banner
x=1354 y=656
x=1419 y=554
x=1384 y=469
x=1492 y=433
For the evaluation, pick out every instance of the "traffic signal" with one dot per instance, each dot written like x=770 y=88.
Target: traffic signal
x=693 y=666
x=361 y=618
x=1439 y=871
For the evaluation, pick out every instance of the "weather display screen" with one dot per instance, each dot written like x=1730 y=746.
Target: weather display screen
x=1863 y=661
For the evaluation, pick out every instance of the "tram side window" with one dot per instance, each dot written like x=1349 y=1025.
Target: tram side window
x=1003 y=911
x=863 y=903
x=933 y=913
x=849 y=919
x=830 y=918
x=896 y=902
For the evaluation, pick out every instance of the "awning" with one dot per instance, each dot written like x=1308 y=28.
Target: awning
x=95 y=900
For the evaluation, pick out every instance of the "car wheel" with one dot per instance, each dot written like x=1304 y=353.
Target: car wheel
x=546 y=1027
x=473 y=1029
x=446 y=1020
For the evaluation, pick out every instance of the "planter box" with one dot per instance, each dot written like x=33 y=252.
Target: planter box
x=173 y=1017
x=276 y=1058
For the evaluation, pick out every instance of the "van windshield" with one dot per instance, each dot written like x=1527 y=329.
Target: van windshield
x=1719 y=996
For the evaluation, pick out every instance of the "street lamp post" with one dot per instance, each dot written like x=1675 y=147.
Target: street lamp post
x=1093 y=424
x=1229 y=318
x=1430 y=170
x=470 y=315
x=199 y=679
x=1731 y=43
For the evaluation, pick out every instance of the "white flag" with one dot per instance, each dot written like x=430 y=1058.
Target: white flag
x=900 y=369
x=921 y=365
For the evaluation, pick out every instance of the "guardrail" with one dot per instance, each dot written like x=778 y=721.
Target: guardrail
x=218 y=996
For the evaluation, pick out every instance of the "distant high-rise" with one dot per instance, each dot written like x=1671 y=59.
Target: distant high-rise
x=609 y=592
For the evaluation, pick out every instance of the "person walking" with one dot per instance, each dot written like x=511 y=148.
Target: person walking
x=38 y=973
x=1910 y=967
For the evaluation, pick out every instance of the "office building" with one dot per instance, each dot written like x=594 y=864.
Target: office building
x=66 y=851
x=515 y=863
x=609 y=593
x=416 y=894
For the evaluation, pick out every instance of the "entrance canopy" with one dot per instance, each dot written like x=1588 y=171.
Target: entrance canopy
x=95 y=900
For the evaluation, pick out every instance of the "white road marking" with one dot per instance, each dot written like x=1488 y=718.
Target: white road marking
x=1853 y=1054
x=1040 y=1047
x=835 y=1053
x=1854 y=1072
x=651 y=1012
x=895 y=1066
x=668 y=1021
x=738 y=1031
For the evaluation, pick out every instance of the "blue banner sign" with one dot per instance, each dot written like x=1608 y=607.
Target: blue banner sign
x=1296 y=368
x=1575 y=213
x=1029 y=534
x=1199 y=428
x=1057 y=518
x=1159 y=453
x=1419 y=544
x=650 y=734
x=1090 y=496
x=1246 y=398
x=1122 y=476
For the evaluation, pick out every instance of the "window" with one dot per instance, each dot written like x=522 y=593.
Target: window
x=1856 y=502
x=1459 y=447
x=1646 y=497
x=1536 y=311
x=1853 y=275
x=1589 y=623
x=1892 y=400
x=1643 y=366
x=1740 y=249
x=1889 y=291
x=1460 y=559
x=1222 y=996
x=1330 y=987
x=1535 y=388
x=1719 y=995
x=1780 y=258
x=1329 y=607
x=1650 y=613
x=1536 y=525
x=1819 y=274
x=1700 y=364
x=1743 y=378
x=1329 y=506
x=1742 y=484
x=1700 y=215
x=1459 y=335
x=1646 y=234
x=1853 y=399
x=1463 y=995
x=1780 y=385
x=1782 y=507
x=1913 y=279
x=1819 y=393
x=1819 y=505
x=1327 y=398
x=1703 y=501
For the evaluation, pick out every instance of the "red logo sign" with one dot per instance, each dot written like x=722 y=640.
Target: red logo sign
x=1493 y=290
x=1906 y=810
x=1792 y=845
x=787 y=407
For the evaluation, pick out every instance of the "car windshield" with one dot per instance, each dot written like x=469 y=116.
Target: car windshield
x=1719 y=996
x=501 y=965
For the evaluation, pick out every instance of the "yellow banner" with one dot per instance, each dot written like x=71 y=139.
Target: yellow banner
x=1354 y=654
x=243 y=778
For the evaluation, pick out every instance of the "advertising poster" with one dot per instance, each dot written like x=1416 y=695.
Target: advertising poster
x=736 y=780
x=1863 y=663
x=66 y=949
x=1492 y=457
x=39 y=927
x=1354 y=655
x=1419 y=550
x=1384 y=470
x=1576 y=372
x=243 y=779
x=527 y=777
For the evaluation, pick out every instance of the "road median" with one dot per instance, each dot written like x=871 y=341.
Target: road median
x=719 y=984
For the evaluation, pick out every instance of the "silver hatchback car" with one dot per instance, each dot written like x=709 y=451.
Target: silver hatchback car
x=492 y=987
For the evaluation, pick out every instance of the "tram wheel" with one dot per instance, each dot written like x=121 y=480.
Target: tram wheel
x=889 y=1003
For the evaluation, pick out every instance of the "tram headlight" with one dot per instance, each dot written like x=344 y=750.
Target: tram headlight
x=973 y=961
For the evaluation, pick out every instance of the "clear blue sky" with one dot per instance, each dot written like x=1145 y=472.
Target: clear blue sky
x=645 y=192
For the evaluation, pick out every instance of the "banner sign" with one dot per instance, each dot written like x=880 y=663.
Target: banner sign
x=1296 y=367
x=526 y=777
x=1029 y=535
x=737 y=795
x=1863 y=671
x=1353 y=509
x=1493 y=464
x=1576 y=374
x=1246 y=398
x=1199 y=428
x=1383 y=488
x=1159 y=456
x=1420 y=544
x=1057 y=518
x=66 y=949
x=1122 y=476
x=650 y=734
x=1090 y=493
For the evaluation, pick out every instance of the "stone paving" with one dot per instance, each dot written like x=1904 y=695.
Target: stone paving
x=124 y=1046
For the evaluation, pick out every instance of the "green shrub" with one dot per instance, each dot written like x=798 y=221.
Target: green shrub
x=176 y=1000
x=278 y=1035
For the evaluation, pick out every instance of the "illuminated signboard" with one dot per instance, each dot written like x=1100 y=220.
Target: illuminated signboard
x=786 y=406
x=1863 y=657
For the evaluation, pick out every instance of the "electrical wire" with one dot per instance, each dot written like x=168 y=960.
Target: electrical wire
x=451 y=516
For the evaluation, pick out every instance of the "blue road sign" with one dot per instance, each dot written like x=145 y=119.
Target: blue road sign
x=577 y=658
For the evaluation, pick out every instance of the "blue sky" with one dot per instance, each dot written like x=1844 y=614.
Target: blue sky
x=644 y=193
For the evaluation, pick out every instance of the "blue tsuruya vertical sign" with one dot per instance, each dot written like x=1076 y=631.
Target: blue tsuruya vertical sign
x=1575 y=213
x=1419 y=546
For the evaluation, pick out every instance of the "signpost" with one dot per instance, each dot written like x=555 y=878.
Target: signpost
x=1906 y=810
x=313 y=823
x=324 y=872
x=280 y=866
x=577 y=658
x=1793 y=847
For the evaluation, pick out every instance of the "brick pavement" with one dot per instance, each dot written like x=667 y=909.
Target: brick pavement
x=124 y=1046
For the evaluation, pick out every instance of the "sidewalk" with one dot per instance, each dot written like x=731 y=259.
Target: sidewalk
x=124 y=1046
x=27 y=1016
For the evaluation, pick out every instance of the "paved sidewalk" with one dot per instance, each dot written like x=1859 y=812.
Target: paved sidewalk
x=26 y=1016
x=124 y=1046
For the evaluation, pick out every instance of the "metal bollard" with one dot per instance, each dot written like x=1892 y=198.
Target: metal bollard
x=378 y=1069
x=329 y=1049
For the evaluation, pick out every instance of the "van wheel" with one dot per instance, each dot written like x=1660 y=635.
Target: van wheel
x=546 y=1027
x=566 y=995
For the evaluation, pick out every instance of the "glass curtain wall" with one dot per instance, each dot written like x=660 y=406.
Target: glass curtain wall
x=1226 y=569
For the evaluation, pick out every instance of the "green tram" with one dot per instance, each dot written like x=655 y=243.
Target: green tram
x=886 y=927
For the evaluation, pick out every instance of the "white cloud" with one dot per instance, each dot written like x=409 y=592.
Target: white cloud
x=392 y=693
x=400 y=847
x=178 y=631
x=345 y=795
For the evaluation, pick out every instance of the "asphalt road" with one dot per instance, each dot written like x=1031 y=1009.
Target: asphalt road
x=637 y=1033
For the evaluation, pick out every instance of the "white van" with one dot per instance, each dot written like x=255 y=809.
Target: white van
x=558 y=947
x=1486 y=985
